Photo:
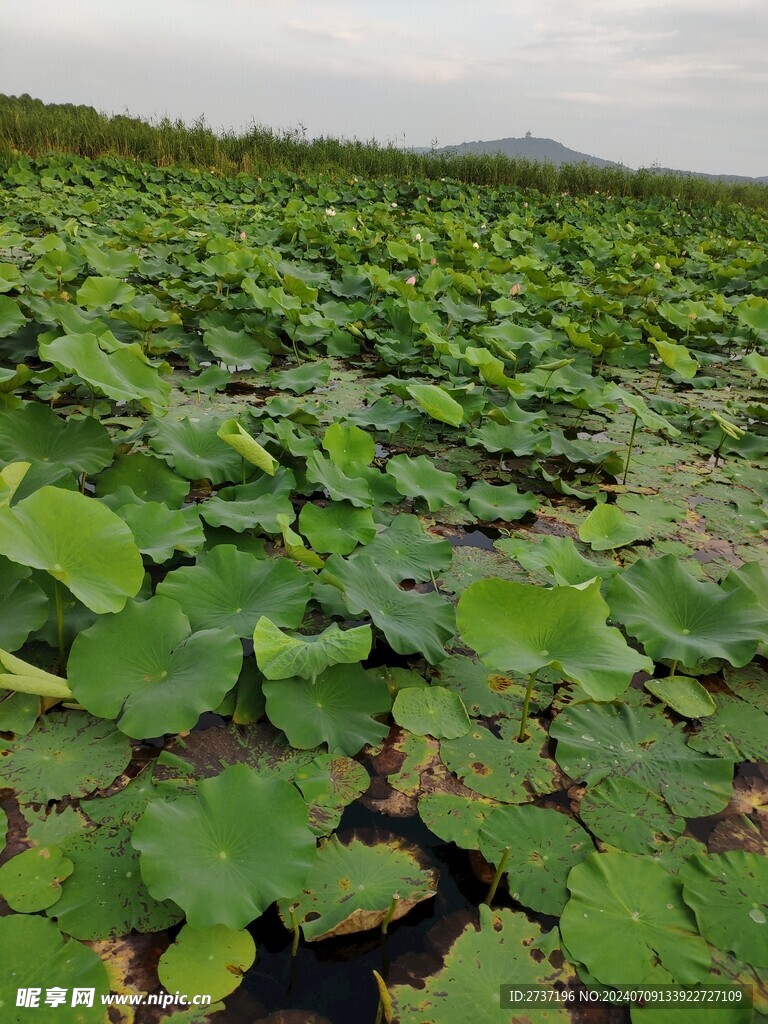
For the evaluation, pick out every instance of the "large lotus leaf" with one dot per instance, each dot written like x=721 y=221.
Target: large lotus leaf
x=232 y=588
x=684 y=695
x=280 y=656
x=31 y=880
x=196 y=450
x=406 y=552
x=626 y=814
x=750 y=683
x=419 y=478
x=526 y=628
x=337 y=527
x=489 y=502
x=349 y=447
x=565 y=564
x=336 y=483
x=78 y=541
x=468 y=985
x=737 y=731
x=518 y=438
x=295 y=547
x=103 y=292
x=330 y=783
x=11 y=316
x=431 y=711
x=35 y=433
x=68 y=753
x=160 y=532
x=21 y=676
x=351 y=887
x=595 y=741
x=675 y=616
x=11 y=479
x=336 y=708
x=627 y=923
x=237 y=348
x=146 y=669
x=607 y=527
x=23 y=605
x=122 y=372
x=225 y=854
x=246 y=446
x=728 y=892
x=498 y=766
x=37 y=956
x=411 y=622
x=127 y=805
x=676 y=357
x=105 y=895
x=240 y=513
x=148 y=477
x=302 y=378
x=437 y=403
x=210 y=960
x=455 y=818
x=490 y=693
x=543 y=846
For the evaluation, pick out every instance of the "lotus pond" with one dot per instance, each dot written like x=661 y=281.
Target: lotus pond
x=383 y=596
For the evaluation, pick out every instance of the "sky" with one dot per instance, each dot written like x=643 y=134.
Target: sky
x=679 y=83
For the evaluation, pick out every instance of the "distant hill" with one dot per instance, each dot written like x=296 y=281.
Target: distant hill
x=547 y=151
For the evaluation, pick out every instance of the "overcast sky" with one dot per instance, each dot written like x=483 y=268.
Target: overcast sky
x=683 y=83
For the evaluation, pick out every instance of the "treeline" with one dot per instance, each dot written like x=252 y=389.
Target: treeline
x=35 y=128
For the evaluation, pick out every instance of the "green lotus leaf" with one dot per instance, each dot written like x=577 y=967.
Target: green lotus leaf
x=410 y=621
x=490 y=503
x=349 y=447
x=595 y=741
x=543 y=846
x=210 y=960
x=23 y=605
x=78 y=541
x=146 y=669
x=676 y=617
x=337 y=527
x=564 y=564
x=31 y=880
x=142 y=314
x=431 y=711
x=626 y=814
x=246 y=446
x=51 y=827
x=105 y=896
x=607 y=527
x=232 y=588
x=490 y=693
x=627 y=923
x=676 y=357
x=750 y=683
x=750 y=577
x=237 y=348
x=10 y=277
x=418 y=478
x=34 y=954
x=103 y=292
x=753 y=311
x=122 y=372
x=126 y=806
x=67 y=753
x=11 y=316
x=499 y=767
x=518 y=438
x=336 y=708
x=352 y=885
x=405 y=551
x=514 y=625
x=336 y=483
x=160 y=532
x=466 y=987
x=280 y=656
x=684 y=695
x=245 y=843
x=11 y=478
x=456 y=819
x=636 y=405
x=728 y=892
x=34 y=433
x=148 y=477
x=330 y=783
x=736 y=731
x=250 y=506
x=437 y=403
x=302 y=378
x=196 y=450
x=295 y=547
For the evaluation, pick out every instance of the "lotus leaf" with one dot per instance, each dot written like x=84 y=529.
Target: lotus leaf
x=684 y=695
x=513 y=625
x=431 y=711
x=490 y=503
x=728 y=892
x=626 y=814
x=349 y=447
x=565 y=565
x=23 y=605
x=233 y=434
x=34 y=954
x=676 y=617
x=246 y=843
x=351 y=887
x=456 y=819
x=160 y=532
x=750 y=683
x=336 y=707
x=237 y=348
x=67 y=753
x=232 y=588
x=490 y=693
x=737 y=731
x=406 y=552
x=337 y=527
x=148 y=477
x=31 y=880
x=103 y=292
x=124 y=807
x=336 y=483
x=437 y=403
x=196 y=450
x=280 y=656
x=543 y=846
x=597 y=741
x=147 y=670
x=627 y=923
x=11 y=316
x=302 y=378
x=210 y=960
x=76 y=540
x=35 y=433
x=607 y=526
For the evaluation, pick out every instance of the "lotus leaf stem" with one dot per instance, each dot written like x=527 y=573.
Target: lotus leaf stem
x=296 y=930
x=629 y=449
x=390 y=913
x=385 y=1000
x=526 y=701
x=60 y=625
x=497 y=877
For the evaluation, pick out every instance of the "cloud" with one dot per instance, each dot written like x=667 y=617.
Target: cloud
x=335 y=33
x=592 y=98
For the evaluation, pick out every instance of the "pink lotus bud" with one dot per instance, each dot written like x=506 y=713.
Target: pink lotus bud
x=515 y=289
x=433 y=261
x=242 y=236
x=411 y=279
